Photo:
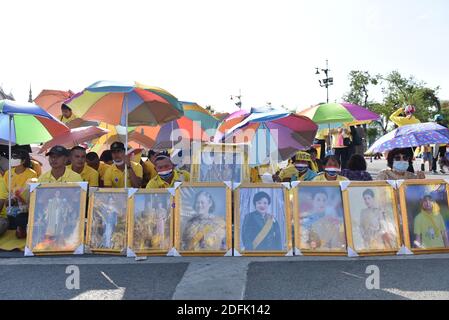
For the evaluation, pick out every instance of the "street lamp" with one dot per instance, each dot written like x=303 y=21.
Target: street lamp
x=239 y=99
x=327 y=82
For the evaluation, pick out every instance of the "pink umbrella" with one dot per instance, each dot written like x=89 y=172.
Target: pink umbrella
x=51 y=100
x=75 y=137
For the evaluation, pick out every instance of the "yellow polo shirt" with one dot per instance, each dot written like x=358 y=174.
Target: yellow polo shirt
x=322 y=177
x=178 y=176
x=89 y=175
x=150 y=169
x=68 y=176
x=114 y=177
x=66 y=120
x=19 y=181
x=102 y=168
x=3 y=196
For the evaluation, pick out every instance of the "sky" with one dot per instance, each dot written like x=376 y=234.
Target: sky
x=205 y=51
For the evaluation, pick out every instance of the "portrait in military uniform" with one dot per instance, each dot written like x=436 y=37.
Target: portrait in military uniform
x=319 y=218
x=107 y=221
x=203 y=218
x=425 y=212
x=372 y=217
x=56 y=218
x=151 y=222
x=262 y=213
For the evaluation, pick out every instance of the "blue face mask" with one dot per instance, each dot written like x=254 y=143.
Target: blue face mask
x=400 y=166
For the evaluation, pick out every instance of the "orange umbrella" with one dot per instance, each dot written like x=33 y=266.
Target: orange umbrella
x=51 y=100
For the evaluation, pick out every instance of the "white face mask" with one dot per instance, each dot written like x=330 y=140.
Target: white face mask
x=16 y=162
x=119 y=163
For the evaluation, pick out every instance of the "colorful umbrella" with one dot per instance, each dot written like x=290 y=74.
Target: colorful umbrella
x=413 y=135
x=51 y=100
x=271 y=133
x=197 y=113
x=125 y=103
x=74 y=137
x=337 y=114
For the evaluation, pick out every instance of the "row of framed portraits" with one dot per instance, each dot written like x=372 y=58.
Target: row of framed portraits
x=310 y=218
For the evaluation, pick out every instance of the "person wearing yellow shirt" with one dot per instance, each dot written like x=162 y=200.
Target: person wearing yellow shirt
x=167 y=174
x=115 y=175
x=398 y=119
x=331 y=170
x=36 y=166
x=78 y=164
x=67 y=114
x=149 y=169
x=94 y=162
x=57 y=158
x=298 y=170
x=3 y=200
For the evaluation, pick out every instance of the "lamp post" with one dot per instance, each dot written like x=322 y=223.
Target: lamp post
x=327 y=82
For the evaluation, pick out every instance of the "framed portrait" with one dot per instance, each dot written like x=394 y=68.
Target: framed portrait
x=425 y=215
x=107 y=221
x=203 y=219
x=220 y=162
x=262 y=220
x=150 y=221
x=318 y=216
x=371 y=217
x=56 y=218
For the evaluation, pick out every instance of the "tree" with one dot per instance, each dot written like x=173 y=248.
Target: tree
x=359 y=87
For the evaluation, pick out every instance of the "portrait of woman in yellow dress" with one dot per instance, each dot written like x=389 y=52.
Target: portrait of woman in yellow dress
x=205 y=229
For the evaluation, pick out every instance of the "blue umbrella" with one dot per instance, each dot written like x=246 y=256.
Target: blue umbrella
x=413 y=135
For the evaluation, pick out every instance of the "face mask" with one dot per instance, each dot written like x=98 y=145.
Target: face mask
x=165 y=174
x=301 y=167
x=400 y=166
x=119 y=163
x=332 y=171
x=16 y=162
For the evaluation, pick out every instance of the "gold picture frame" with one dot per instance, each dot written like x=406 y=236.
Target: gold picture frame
x=187 y=223
x=154 y=229
x=53 y=220
x=119 y=218
x=326 y=230
x=239 y=223
x=226 y=150
x=385 y=228
x=409 y=200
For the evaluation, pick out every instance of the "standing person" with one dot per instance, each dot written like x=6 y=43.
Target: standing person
x=439 y=150
x=356 y=144
x=341 y=144
x=331 y=170
x=398 y=162
x=67 y=114
x=360 y=149
x=321 y=140
x=78 y=164
x=57 y=158
x=398 y=119
x=167 y=175
x=114 y=176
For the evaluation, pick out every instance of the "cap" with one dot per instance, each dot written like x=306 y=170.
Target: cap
x=117 y=146
x=59 y=151
x=302 y=155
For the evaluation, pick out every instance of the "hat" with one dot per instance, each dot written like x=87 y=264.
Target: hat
x=302 y=155
x=59 y=151
x=117 y=146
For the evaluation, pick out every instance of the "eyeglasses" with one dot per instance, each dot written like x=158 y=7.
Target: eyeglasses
x=401 y=157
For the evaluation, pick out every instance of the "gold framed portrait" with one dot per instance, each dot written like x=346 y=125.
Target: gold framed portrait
x=318 y=216
x=425 y=215
x=203 y=219
x=371 y=217
x=216 y=162
x=56 y=218
x=262 y=219
x=150 y=221
x=107 y=221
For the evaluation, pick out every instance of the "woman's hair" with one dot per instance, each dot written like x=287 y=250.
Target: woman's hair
x=357 y=163
x=65 y=107
x=260 y=195
x=106 y=156
x=328 y=158
x=368 y=192
x=393 y=153
x=208 y=196
x=24 y=156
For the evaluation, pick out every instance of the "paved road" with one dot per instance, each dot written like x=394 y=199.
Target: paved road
x=224 y=278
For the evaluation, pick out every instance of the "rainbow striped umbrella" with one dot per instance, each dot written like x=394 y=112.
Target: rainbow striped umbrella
x=126 y=104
